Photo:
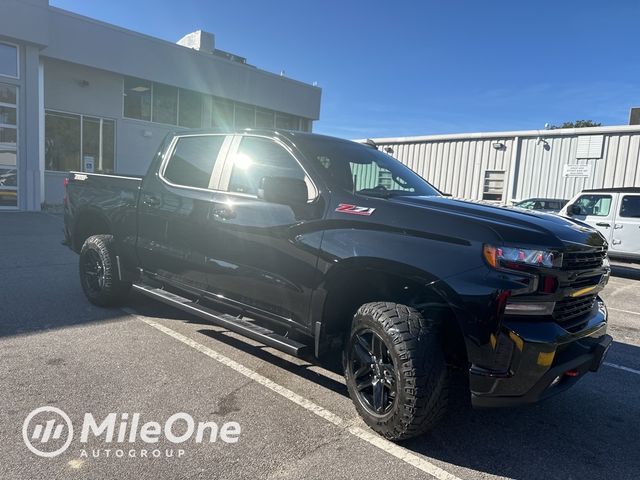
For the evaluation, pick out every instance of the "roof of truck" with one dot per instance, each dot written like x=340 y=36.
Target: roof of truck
x=614 y=190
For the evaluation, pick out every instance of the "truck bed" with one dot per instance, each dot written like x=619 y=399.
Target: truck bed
x=101 y=199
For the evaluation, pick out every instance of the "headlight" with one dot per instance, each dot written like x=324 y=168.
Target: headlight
x=510 y=257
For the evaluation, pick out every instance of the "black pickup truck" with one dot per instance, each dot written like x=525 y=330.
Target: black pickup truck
x=327 y=248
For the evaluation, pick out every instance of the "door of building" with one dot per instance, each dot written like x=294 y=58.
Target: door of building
x=8 y=146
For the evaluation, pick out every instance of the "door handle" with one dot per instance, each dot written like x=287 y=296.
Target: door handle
x=603 y=224
x=223 y=213
x=617 y=226
x=151 y=200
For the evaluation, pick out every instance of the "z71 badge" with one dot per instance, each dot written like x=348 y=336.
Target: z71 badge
x=354 y=209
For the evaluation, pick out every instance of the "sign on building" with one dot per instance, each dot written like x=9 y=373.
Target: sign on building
x=576 y=170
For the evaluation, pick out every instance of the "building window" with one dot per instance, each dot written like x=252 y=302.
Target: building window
x=79 y=142
x=305 y=125
x=222 y=114
x=493 y=188
x=159 y=103
x=8 y=146
x=245 y=116
x=97 y=145
x=137 y=98
x=165 y=104
x=8 y=115
x=190 y=109
x=286 y=121
x=264 y=118
x=8 y=60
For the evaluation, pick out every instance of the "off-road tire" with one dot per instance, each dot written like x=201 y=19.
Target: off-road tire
x=102 y=287
x=413 y=344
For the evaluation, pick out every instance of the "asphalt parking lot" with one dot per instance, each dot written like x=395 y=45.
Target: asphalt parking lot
x=296 y=418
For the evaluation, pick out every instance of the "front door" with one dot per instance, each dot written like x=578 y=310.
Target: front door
x=626 y=229
x=265 y=260
x=597 y=210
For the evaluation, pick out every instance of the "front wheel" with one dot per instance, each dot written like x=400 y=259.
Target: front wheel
x=395 y=370
x=99 y=274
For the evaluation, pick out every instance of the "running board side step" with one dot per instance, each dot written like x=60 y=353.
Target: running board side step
x=235 y=324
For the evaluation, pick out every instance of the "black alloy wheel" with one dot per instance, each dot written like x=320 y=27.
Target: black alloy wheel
x=374 y=372
x=93 y=272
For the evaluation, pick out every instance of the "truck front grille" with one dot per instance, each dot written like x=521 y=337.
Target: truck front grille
x=583 y=260
x=569 y=313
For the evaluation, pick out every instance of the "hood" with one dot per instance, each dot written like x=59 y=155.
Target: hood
x=515 y=225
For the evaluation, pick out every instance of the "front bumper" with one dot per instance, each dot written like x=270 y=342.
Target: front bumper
x=543 y=359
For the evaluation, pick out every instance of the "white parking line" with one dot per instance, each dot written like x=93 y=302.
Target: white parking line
x=622 y=367
x=366 y=435
x=623 y=311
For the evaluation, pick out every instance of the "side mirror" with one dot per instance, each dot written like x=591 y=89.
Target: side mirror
x=574 y=210
x=284 y=190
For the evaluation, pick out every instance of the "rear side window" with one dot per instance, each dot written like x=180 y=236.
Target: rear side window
x=257 y=158
x=630 y=206
x=594 y=205
x=193 y=159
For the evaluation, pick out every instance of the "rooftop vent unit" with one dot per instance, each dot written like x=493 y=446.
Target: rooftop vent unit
x=206 y=42
x=199 y=40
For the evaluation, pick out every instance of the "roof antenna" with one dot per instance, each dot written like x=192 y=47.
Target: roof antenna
x=371 y=143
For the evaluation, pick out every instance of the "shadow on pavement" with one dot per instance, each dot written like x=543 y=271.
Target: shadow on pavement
x=40 y=289
x=630 y=271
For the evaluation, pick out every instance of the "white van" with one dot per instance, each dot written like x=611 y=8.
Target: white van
x=615 y=212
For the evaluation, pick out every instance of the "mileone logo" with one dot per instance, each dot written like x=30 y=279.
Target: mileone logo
x=48 y=432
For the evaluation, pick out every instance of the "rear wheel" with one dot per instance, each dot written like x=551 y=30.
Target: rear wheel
x=395 y=370
x=99 y=274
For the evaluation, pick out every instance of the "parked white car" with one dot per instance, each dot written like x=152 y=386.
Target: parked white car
x=615 y=212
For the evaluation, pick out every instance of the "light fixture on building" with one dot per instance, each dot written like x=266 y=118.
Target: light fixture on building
x=498 y=145
x=389 y=150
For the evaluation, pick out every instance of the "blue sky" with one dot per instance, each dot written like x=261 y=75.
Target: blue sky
x=422 y=67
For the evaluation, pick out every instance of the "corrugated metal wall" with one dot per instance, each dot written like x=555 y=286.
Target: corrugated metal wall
x=455 y=166
x=533 y=161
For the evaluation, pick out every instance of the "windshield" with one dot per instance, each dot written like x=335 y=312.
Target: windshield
x=363 y=170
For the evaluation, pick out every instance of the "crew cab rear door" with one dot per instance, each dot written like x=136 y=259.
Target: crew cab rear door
x=626 y=229
x=175 y=234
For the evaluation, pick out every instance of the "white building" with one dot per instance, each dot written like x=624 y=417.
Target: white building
x=79 y=94
x=509 y=166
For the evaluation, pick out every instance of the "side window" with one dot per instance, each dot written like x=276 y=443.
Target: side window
x=595 y=205
x=630 y=206
x=257 y=158
x=193 y=159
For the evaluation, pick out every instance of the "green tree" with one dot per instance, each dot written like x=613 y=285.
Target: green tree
x=576 y=124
